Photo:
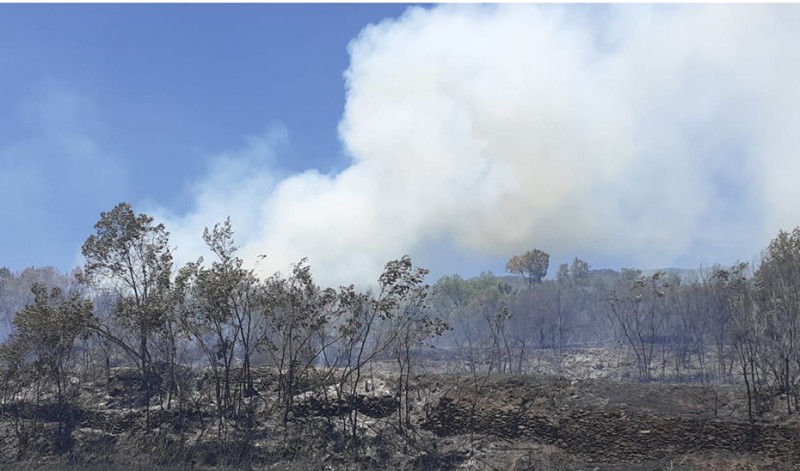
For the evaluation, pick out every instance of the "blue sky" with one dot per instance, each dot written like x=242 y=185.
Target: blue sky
x=626 y=135
x=158 y=89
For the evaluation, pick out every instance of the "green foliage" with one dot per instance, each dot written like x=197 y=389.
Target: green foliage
x=47 y=329
x=130 y=254
x=41 y=350
x=575 y=275
x=129 y=249
x=454 y=292
x=216 y=309
x=15 y=291
x=296 y=312
x=778 y=276
x=532 y=266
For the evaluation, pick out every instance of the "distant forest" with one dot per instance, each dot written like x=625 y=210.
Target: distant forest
x=129 y=306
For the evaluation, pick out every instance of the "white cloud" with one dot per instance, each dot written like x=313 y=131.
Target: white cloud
x=659 y=135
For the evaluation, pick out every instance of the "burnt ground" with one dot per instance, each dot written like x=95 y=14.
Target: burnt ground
x=528 y=422
x=607 y=425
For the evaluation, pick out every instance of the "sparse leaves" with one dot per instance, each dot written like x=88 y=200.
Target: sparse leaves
x=45 y=333
x=129 y=254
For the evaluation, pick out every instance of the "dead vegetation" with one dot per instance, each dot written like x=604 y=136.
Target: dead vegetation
x=209 y=366
x=503 y=422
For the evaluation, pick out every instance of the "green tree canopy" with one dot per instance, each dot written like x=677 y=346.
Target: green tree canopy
x=532 y=265
x=130 y=254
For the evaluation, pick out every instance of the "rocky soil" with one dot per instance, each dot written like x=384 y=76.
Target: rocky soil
x=612 y=425
x=528 y=422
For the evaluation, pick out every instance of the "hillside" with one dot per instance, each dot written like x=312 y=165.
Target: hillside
x=470 y=423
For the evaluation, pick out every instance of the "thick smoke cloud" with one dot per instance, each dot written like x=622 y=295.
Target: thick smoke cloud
x=657 y=136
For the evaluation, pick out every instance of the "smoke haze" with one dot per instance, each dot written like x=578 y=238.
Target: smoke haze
x=655 y=135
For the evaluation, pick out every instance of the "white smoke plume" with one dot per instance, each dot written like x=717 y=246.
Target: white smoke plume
x=659 y=135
